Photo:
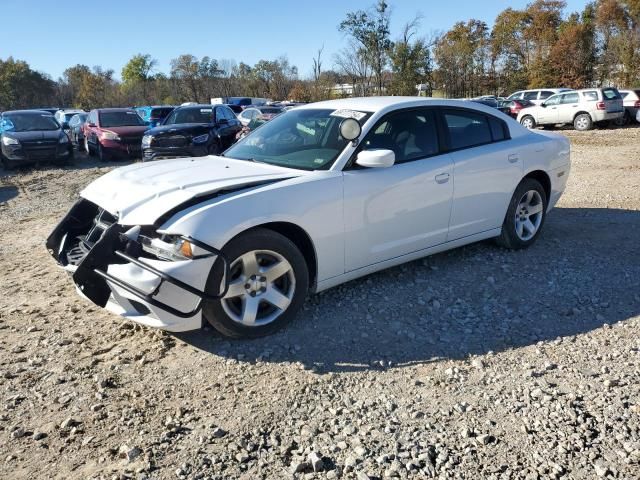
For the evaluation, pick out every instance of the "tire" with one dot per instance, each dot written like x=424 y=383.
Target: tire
x=102 y=156
x=87 y=147
x=623 y=120
x=583 y=122
x=229 y=316
x=528 y=122
x=214 y=148
x=529 y=197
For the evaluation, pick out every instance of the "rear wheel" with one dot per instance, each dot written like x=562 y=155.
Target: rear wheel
x=268 y=282
x=623 y=120
x=525 y=215
x=528 y=122
x=583 y=122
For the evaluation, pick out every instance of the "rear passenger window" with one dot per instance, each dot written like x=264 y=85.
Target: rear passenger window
x=497 y=129
x=467 y=129
x=545 y=94
x=590 y=96
x=531 y=95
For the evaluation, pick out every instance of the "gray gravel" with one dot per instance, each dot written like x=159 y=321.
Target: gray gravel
x=475 y=363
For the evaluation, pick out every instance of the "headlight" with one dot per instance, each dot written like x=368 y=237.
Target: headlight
x=64 y=138
x=146 y=141
x=9 y=141
x=168 y=247
x=201 y=138
x=110 y=136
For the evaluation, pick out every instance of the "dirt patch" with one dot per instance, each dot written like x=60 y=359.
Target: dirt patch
x=475 y=363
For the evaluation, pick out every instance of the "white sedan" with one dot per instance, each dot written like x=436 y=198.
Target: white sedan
x=321 y=195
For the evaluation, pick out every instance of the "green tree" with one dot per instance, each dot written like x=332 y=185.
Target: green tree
x=22 y=87
x=371 y=30
x=410 y=62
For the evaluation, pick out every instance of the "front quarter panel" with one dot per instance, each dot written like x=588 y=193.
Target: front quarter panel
x=313 y=202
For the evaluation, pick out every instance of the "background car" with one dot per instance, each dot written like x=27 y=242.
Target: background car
x=251 y=112
x=582 y=108
x=237 y=109
x=113 y=133
x=76 y=128
x=154 y=115
x=192 y=131
x=63 y=116
x=253 y=124
x=536 y=96
x=513 y=107
x=631 y=102
x=28 y=136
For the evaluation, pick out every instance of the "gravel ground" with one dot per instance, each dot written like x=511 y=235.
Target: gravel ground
x=475 y=363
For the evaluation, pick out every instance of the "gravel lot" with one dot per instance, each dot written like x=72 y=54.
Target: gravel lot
x=476 y=363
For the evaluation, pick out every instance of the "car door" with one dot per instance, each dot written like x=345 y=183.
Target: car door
x=390 y=212
x=568 y=107
x=547 y=112
x=486 y=168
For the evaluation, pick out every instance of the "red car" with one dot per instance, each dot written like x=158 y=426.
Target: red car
x=513 y=107
x=114 y=132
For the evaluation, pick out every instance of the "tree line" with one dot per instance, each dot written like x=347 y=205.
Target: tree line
x=539 y=46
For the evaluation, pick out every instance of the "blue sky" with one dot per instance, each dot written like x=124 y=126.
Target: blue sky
x=52 y=36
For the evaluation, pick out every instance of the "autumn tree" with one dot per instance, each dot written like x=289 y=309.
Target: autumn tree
x=371 y=32
x=22 y=87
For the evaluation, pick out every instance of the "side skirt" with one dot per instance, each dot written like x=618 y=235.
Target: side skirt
x=361 y=272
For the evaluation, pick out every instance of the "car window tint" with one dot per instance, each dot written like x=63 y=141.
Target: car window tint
x=591 y=96
x=545 y=94
x=570 y=98
x=467 y=129
x=624 y=94
x=515 y=96
x=611 y=94
x=410 y=134
x=497 y=129
x=531 y=95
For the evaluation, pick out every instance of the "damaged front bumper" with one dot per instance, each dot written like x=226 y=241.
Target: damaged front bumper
x=110 y=269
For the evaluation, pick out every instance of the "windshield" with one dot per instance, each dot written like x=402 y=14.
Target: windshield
x=160 y=112
x=29 y=122
x=120 y=119
x=190 y=115
x=307 y=139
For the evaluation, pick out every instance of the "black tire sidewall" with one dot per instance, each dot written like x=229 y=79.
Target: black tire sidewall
x=509 y=237
x=256 y=239
x=575 y=122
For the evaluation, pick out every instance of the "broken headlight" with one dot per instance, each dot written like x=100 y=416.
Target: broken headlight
x=167 y=247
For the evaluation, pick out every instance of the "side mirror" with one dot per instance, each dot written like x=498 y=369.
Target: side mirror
x=543 y=105
x=378 y=158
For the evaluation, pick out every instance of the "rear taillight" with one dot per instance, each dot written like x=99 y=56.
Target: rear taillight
x=601 y=106
x=637 y=104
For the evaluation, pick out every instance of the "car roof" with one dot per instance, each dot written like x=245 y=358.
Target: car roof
x=116 y=109
x=376 y=104
x=34 y=111
x=71 y=110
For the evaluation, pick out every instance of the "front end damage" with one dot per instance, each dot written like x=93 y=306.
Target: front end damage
x=113 y=266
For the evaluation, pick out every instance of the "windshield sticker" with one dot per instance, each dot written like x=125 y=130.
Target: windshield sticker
x=346 y=113
x=206 y=110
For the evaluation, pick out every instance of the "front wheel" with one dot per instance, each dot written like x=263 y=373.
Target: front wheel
x=528 y=122
x=268 y=282
x=87 y=147
x=525 y=215
x=102 y=156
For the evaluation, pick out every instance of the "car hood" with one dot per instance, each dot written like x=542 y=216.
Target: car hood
x=183 y=128
x=35 y=135
x=139 y=194
x=132 y=130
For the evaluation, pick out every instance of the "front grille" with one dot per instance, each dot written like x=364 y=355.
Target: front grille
x=84 y=243
x=137 y=140
x=40 y=148
x=173 y=141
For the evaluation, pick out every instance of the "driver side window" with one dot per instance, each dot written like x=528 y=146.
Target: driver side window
x=410 y=134
x=555 y=100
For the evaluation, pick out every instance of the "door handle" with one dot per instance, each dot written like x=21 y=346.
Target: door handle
x=442 y=178
x=513 y=158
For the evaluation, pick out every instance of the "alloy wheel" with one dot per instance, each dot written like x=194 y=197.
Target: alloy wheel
x=261 y=288
x=527 y=123
x=529 y=215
